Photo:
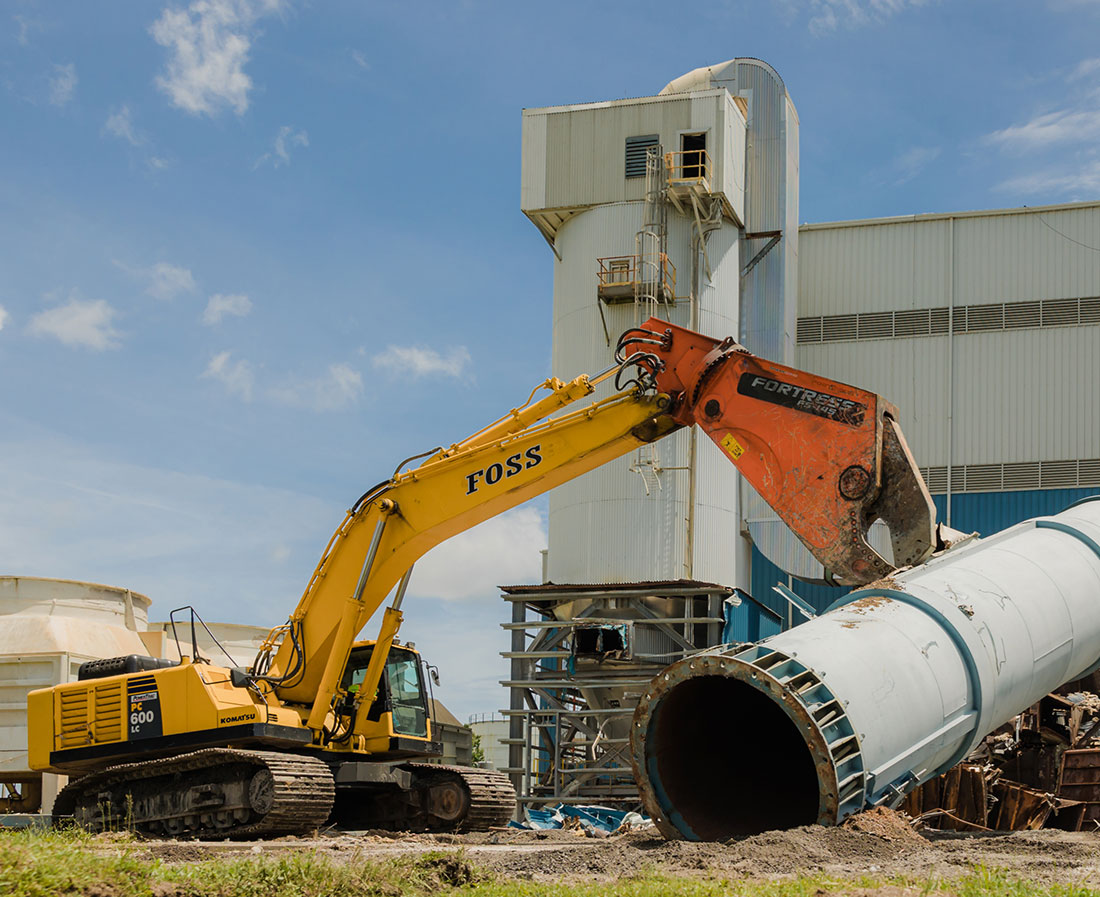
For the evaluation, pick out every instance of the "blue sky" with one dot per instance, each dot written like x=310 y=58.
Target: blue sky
x=255 y=252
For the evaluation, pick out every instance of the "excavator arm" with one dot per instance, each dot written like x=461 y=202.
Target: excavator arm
x=828 y=457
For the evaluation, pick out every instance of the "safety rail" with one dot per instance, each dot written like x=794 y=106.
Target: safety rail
x=689 y=168
x=619 y=277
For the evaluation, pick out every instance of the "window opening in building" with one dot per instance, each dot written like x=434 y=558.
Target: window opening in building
x=693 y=149
x=636 y=148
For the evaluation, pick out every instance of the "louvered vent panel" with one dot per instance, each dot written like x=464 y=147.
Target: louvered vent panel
x=935 y=478
x=1088 y=472
x=1022 y=314
x=938 y=321
x=957 y=476
x=74 y=717
x=636 y=149
x=985 y=317
x=983 y=478
x=1059 y=312
x=836 y=328
x=934 y=321
x=875 y=325
x=1013 y=477
x=108 y=712
x=1021 y=475
x=912 y=323
x=958 y=319
x=809 y=330
x=1090 y=311
x=1057 y=474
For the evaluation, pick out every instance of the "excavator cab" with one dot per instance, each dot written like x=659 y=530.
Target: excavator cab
x=397 y=722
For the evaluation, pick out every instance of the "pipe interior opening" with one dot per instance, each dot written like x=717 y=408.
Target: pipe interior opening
x=730 y=761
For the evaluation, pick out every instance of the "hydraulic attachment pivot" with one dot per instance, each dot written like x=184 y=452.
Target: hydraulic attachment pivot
x=828 y=457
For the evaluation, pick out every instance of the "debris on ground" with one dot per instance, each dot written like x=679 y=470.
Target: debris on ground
x=590 y=820
x=1041 y=769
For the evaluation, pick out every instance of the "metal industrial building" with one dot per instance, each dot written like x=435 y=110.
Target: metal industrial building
x=982 y=327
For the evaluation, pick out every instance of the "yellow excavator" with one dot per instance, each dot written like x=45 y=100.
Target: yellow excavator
x=201 y=749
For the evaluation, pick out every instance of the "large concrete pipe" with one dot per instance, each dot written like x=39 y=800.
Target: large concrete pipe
x=893 y=686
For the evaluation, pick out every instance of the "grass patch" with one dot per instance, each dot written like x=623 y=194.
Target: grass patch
x=75 y=864
x=49 y=863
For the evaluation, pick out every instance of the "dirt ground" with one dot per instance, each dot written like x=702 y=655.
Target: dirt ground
x=881 y=844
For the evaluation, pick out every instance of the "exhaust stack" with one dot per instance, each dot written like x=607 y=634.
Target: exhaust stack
x=891 y=687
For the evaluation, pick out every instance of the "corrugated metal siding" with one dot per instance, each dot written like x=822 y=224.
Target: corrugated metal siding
x=1004 y=258
x=1027 y=395
x=731 y=179
x=532 y=191
x=584 y=150
x=878 y=268
x=769 y=293
x=1021 y=395
x=985 y=513
x=907 y=264
x=766 y=155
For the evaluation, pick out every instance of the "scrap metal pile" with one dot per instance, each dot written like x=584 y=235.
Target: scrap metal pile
x=1039 y=770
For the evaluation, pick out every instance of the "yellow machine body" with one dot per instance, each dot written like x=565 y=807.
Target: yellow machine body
x=196 y=705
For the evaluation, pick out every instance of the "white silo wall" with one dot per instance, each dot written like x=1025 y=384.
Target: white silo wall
x=604 y=527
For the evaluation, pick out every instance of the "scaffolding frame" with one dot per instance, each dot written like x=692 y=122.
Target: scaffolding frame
x=569 y=713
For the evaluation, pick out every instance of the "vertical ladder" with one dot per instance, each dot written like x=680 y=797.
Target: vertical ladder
x=650 y=248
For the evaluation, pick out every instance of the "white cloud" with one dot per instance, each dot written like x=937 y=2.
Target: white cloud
x=1072 y=182
x=26 y=26
x=1083 y=69
x=237 y=377
x=3 y=317
x=63 y=84
x=828 y=15
x=79 y=322
x=500 y=551
x=168 y=281
x=341 y=386
x=1075 y=121
x=280 y=150
x=221 y=305
x=912 y=162
x=120 y=123
x=209 y=43
x=163 y=280
x=1059 y=127
x=417 y=361
x=360 y=59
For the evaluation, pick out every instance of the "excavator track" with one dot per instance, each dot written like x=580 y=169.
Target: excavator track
x=464 y=798
x=214 y=793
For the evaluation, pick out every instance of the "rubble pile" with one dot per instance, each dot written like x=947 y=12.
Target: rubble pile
x=1039 y=770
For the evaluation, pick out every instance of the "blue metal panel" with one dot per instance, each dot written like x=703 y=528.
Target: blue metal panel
x=982 y=512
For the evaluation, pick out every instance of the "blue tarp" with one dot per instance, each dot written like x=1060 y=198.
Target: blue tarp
x=594 y=819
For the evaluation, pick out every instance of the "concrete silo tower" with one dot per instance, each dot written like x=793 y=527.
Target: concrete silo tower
x=683 y=204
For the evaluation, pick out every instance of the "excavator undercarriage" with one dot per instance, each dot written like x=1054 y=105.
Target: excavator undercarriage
x=225 y=793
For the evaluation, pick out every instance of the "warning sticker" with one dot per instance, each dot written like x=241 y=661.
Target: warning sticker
x=731 y=445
